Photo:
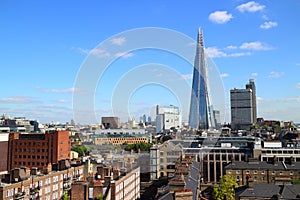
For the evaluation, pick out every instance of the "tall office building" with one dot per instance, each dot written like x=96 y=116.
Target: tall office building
x=251 y=85
x=200 y=108
x=243 y=107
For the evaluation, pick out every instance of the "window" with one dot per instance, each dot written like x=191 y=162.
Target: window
x=255 y=171
x=255 y=178
x=291 y=173
x=273 y=172
x=247 y=172
x=238 y=171
x=263 y=172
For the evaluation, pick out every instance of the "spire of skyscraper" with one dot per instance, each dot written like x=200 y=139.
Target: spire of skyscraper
x=199 y=117
x=200 y=38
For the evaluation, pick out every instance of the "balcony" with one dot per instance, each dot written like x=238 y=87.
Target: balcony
x=67 y=179
x=34 y=190
x=67 y=186
x=20 y=195
x=76 y=177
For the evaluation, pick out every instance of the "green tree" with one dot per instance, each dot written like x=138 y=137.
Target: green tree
x=65 y=196
x=99 y=197
x=225 y=190
x=143 y=146
x=81 y=150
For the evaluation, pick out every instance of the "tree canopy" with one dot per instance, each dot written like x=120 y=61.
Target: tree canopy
x=81 y=150
x=142 y=146
x=225 y=190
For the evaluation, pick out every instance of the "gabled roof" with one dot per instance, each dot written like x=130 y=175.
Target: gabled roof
x=261 y=190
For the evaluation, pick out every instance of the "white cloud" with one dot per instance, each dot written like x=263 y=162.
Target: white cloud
x=124 y=54
x=192 y=44
x=159 y=75
x=259 y=99
x=63 y=101
x=68 y=90
x=118 y=41
x=297 y=64
x=214 y=52
x=254 y=74
x=276 y=74
x=220 y=17
x=224 y=75
x=138 y=103
x=269 y=24
x=298 y=85
x=239 y=54
x=255 y=46
x=250 y=6
x=231 y=47
x=100 y=53
x=18 y=100
x=187 y=76
x=265 y=17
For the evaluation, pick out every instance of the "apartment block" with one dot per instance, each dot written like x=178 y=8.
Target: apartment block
x=48 y=184
x=111 y=183
x=249 y=173
x=37 y=149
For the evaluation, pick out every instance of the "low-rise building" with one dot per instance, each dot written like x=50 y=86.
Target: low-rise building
x=249 y=173
x=120 y=136
x=26 y=183
x=111 y=183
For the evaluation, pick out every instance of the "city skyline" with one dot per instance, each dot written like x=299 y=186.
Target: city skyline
x=45 y=43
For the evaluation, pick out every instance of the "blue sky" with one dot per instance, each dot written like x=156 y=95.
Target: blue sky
x=44 y=44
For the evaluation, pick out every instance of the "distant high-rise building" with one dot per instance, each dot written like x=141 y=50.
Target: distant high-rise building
x=144 y=118
x=251 y=85
x=149 y=120
x=200 y=116
x=243 y=107
x=167 y=117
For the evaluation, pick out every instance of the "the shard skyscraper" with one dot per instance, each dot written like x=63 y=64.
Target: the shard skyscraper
x=200 y=108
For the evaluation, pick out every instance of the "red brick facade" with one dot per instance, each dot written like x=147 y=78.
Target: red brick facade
x=37 y=150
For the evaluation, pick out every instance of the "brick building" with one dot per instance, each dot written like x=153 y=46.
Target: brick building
x=112 y=183
x=249 y=173
x=3 y=151
x=23 y=183
x=37 y=150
